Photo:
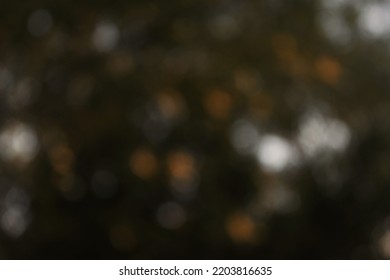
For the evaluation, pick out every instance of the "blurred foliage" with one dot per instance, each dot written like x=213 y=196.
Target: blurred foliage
x=194 y=129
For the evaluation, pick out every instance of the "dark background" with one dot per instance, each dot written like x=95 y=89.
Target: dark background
x=194 y=129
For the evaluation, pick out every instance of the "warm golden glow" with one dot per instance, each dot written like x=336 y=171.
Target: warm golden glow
x=241 y=228
x=143 y=164
x=181 y=166
x=170 y=104
x=218 y=104
x=328 y=69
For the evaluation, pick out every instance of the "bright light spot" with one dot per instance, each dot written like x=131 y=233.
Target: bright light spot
x=275 y=153
x=244 y=137
x=375 y=19
x=171 y=215
x=19 y=142
x=318 y=134
x=105 y=36
x=39 y=23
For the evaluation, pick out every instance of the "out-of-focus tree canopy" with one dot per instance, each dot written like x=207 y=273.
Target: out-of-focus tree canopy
x=194 y=129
